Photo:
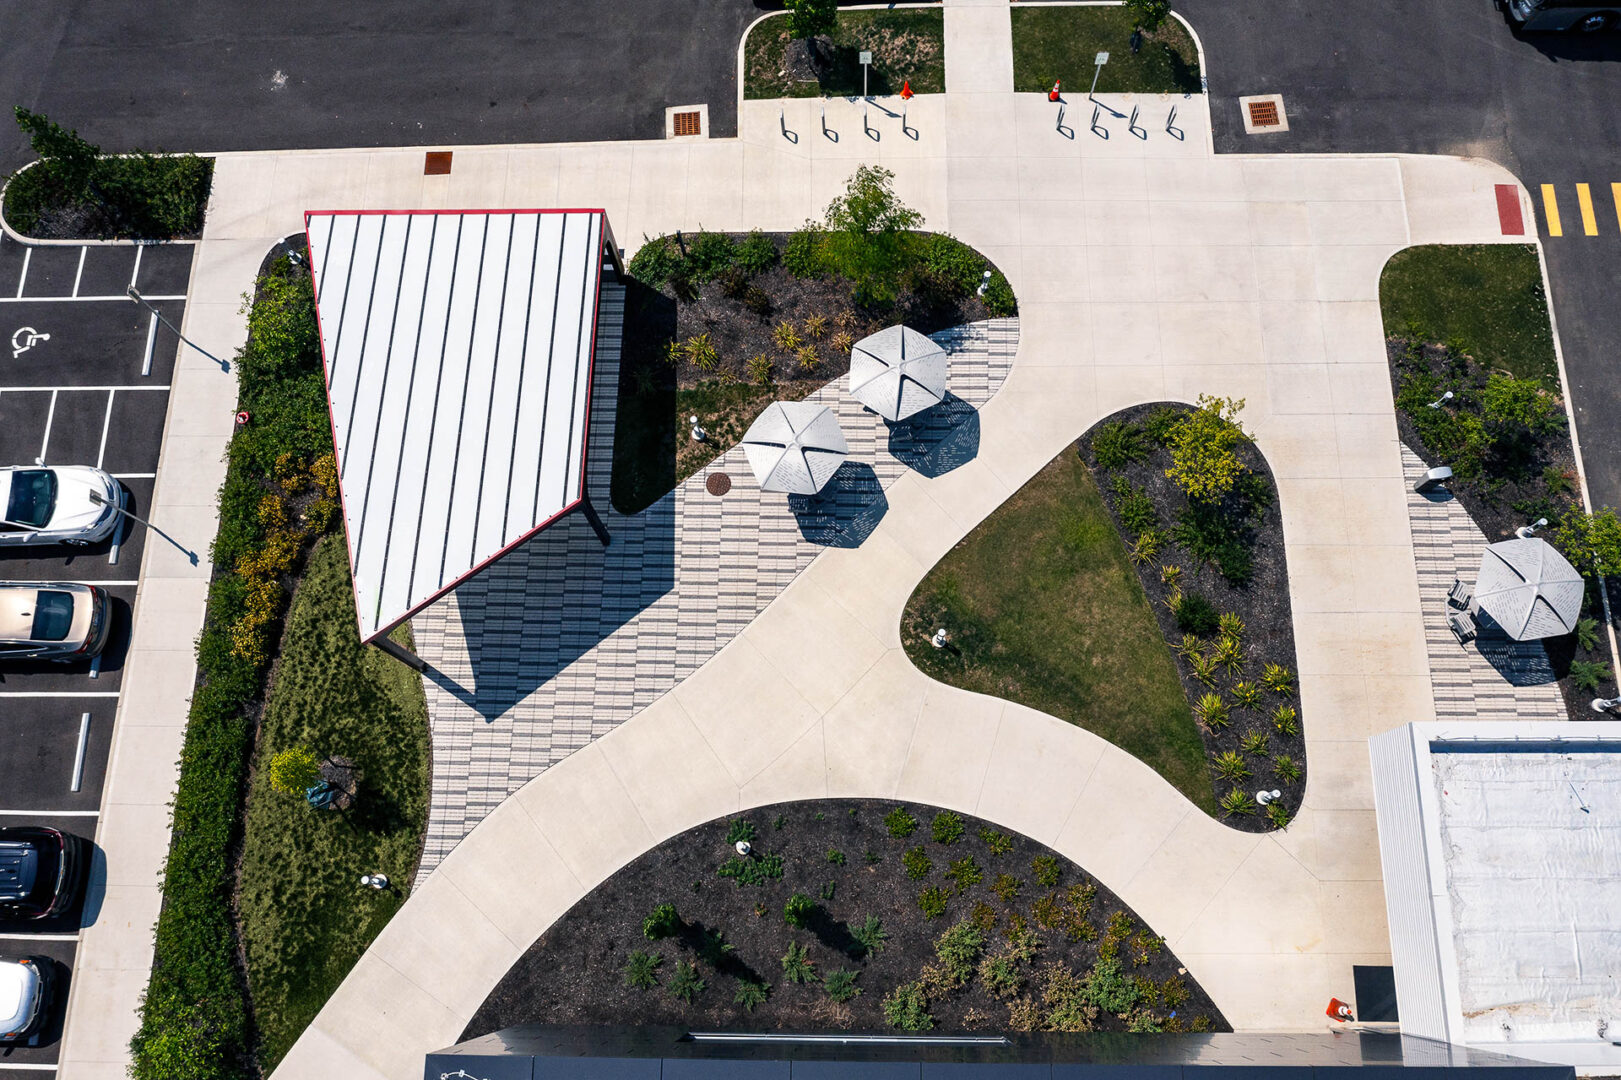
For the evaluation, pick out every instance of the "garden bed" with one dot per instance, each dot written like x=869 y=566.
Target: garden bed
x=1017 y=937
x=719 y=325
x=1473 y=320
x=1062 y=42
x=907 y=44
x=134 y=197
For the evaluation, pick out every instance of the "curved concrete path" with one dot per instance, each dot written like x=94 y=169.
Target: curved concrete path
x=1146 y=269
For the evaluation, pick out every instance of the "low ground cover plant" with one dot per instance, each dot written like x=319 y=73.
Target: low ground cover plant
x=1061 y=953
x=77 y=192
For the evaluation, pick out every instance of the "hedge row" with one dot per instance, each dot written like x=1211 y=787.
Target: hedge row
x=196 y=1019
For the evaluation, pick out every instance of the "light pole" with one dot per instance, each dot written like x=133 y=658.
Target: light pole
x=147 y=304
x=96 y=497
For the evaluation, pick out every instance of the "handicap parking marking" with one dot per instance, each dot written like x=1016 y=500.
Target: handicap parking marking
x=88 y=344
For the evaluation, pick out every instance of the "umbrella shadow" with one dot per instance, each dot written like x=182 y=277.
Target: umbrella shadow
x=938 y=439
x=846 y=511
x=1520 y=663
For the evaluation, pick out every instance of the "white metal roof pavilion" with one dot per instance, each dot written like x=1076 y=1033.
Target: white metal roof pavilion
x=458 y=348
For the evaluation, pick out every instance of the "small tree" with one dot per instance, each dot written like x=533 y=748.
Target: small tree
x=807 y=18
x=1204 y=450
x=869 y=205
x=68 y=159
x=294 y=771
x=1149 y=14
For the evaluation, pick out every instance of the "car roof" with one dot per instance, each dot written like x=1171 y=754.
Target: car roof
x=16 y=992
x=17 y=601
x=19 y=864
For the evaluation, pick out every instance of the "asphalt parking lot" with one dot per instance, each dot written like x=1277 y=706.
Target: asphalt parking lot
x=84 y=380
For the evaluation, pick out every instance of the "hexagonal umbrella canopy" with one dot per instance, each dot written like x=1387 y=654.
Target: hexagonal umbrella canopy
x=1529 y=589
x=897 y=372
x=795 y=447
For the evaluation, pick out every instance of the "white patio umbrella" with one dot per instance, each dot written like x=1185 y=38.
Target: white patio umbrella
x=795 y=446
x=897 y=372
x=1529 y=588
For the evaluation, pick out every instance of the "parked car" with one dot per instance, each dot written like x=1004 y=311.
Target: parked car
x=1583 y=16
x=42 y=871
x=26 y=985
x=53 y=505
x=53 y=620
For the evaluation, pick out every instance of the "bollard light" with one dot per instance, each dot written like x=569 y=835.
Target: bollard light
x=1444 y=398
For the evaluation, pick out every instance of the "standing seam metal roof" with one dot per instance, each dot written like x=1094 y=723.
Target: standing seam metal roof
x=458 y=348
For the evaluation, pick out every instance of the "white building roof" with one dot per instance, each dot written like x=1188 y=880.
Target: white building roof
x=1501 y=845
x=458 y=349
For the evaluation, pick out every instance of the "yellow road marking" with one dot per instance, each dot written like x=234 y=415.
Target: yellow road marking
x=1584 y=196
x=1615 y=196
x=1550 y=210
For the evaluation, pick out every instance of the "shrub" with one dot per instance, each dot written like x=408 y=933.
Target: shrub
x=1161 y=424
x=1587 y=633
x=1277 y=814
x=797 y=966
x=959 y=949
x=1286 y=720
x=759 y=369
x=662 y=923
x=965 y=874
x=1589 y=675
x=1212 y=712
x=739 y=829
x=807 y=18
x=656 y=262
x=751 y=992
x=840 y=984
x=1592 y=542
x=1194 y=614
x=798 y=910
x=709 y=255
x=641 y=970
x=1047 y=870
x=917 y=864
x=294 y=770
x=997 y=843
x=1006 y=888
x=1118 y=444
x=1278 y=679
x=786 y=337
x=1231 y=626
x=686 y=983
x=1211 y=535
x=802 y=256
x=835 y=856
x=999 y=299
x=1136 y=510
x=1149 y=14
x=815 y=326
x=947 y=827
x=1514 y=408
x=1285 y=767
x=1229 y=765
x=932 y=902
x=1001 y=975
x=1256 y=744
x=1229 y=654
x=870 y=937
x=984 y=916
x=899 y=823
x=907 y=1007
x=1237 y=802
x=1204 y=449
x=754 y=870
x=755 y=254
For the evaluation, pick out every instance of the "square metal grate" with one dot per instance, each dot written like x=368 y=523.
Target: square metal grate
x=437 y=163
x=686 y=123
x=1263 y=114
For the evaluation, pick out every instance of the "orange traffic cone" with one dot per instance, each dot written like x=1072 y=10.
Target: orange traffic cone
x=1338 y=1010
x=1052 y=95
x=906 y=90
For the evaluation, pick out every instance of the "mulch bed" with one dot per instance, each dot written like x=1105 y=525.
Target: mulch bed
x=573 y=972
x=1262 y=603
x=1548 y=487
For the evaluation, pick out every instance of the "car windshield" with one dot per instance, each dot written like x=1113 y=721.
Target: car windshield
x=53 y=615
x=33 y=497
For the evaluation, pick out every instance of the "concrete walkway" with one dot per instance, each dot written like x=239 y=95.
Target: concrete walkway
x=1146 y=269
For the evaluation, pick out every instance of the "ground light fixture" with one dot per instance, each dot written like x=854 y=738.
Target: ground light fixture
x=1526 y=532
x=1264 y=797
x=96 y=497
x=940 y=638
x=1605 y=705
x=1438 y=402
x=374 y=881
x=743 y=847
x=698 y=433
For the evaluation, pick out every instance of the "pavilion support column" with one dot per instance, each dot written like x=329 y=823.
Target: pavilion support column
x=596 y=522
x=399 y=652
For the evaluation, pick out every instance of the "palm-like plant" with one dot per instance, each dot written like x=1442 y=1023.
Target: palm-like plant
x=1237 y=802
x=1231 y=626
x=641 y=970
x=1286 y=720
x=1146 y=549
x=1229 y=654
x=1204 y=668
x=1247 y=694
x=700 y=352
x=1212 y=712
x=1190 y=645
x=870 y=937
x=1277 y=814
x=786 y=337
x=797 y=966
x=815 y=326
x=1285 y=767
x=1256 y=744
x=1230 y=766
x=1278 y=679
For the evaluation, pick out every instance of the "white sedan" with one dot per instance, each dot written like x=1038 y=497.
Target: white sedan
x=57 y=504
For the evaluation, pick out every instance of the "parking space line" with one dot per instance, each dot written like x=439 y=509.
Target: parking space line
x=50 y=813
x=35 y=937
x=20 y=299
x=50 y=416
x=28 y=1066
x=133 y=475
x=78 y=274
x=28 y=253
x=57 y=693
x=129 y=583
x=77 y=389
x=151 y=336
x=106 y=423
x=136 y=272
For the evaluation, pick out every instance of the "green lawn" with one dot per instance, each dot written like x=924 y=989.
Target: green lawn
x=305 y=920
x=1044 y=608
x=906 y=43
x=1488 y=298
x=1062 y=42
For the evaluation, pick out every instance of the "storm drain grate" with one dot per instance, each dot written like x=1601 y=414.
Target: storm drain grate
x=718 y=483
x=437 y=163
x=686 y=123
x=1263 y=114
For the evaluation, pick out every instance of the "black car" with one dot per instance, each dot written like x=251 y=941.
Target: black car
x=42 y=872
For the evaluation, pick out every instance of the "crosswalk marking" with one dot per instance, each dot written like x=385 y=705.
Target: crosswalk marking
x=1615 y=197
x=1584 y=199
x=1550 y=210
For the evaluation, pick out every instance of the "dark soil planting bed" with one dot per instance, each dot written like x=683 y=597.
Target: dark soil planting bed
x=912 y=918
x=1225 y=560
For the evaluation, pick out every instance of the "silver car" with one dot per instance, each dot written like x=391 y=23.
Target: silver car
x=25 y=994
x=57 y=504
x=52 y=620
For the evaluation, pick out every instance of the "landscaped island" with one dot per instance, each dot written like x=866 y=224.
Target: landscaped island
x=1137 y=587
x=851 y=915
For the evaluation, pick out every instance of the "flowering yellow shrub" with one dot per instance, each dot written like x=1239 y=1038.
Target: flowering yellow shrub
x=324 y=471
